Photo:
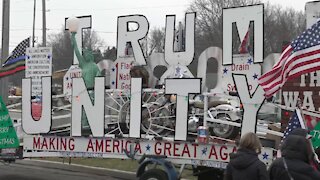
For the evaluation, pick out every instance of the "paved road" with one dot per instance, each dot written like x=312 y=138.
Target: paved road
x=34 y=170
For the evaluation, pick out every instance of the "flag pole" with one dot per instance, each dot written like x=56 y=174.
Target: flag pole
x=299 y=107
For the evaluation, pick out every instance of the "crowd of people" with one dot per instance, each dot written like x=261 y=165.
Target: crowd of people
x=297 y=162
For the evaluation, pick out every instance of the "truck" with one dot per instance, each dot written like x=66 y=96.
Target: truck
x=174 y=119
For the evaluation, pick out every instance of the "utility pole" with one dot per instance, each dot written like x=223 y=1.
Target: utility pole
x=34 y=21
x=178 y=46
x=44 y=28
x=180 y=37
x=5 y=47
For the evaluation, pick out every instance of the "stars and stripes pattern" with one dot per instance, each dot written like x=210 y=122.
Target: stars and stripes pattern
x=294 y=122
x=300 y=57
x=243 y=48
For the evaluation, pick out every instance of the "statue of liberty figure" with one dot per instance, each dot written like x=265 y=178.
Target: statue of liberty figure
x=89 y=69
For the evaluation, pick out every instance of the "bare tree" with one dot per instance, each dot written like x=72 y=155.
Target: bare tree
x=280 y=27
x=280 y=24
x=62 y=50
x=156 y=40
x=62 y=54
x=91 y=40
x=209 y=20
x=110 y=53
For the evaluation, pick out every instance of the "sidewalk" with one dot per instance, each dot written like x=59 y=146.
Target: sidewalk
x=79 y=168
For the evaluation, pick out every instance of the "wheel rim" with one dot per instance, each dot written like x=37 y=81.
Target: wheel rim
x=124 y=112
x=222 y=130
x=152 y=118
x=155 y=118
x=117 y=110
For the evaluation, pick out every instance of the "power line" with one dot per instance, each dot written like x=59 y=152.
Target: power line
x=107 y=9
x=25 y=29
x=55 y=29
x=113 y=9
x=107 y=32
x=38 y=29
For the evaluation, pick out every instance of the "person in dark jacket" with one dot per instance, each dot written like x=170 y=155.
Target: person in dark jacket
x=244 y=164
x=294 y=163
x=313 y=157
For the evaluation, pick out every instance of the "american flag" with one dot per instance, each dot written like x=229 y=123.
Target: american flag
x=18 y=54
x=300 y=57
x=243 y=48
x=294 y=122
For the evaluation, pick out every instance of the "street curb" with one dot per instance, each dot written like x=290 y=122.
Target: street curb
x=126 y=175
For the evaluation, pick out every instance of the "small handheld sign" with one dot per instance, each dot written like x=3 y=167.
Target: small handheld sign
x=315 y=133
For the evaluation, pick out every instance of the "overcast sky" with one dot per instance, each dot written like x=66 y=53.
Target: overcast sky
x=295 y=4
x=104 y=14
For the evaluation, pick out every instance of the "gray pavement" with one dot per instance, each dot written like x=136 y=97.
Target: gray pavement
x=40 y=170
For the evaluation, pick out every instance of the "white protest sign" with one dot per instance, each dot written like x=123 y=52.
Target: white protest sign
x=31 y=125
x=312 y=12
x=126 y=35
x=184 y=57
x=81 y=101
x=251 y=96
x=242 y=64
x=73 y=72
x=38 y=64
x=242 y=16
x=182 y=88
x=120 y=73
x=251 y=102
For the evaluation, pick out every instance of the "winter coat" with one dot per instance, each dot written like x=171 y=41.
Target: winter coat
x=295 y=153
x=245 y=165
x=311 y=153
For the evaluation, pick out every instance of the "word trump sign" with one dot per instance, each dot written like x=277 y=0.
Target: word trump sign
x=181 y=87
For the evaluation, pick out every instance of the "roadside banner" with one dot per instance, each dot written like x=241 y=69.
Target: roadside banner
x=211 y=155
x=8 y=135
x=242 y=64
x=73 y=72
x=120 y=73
x=38 y=65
